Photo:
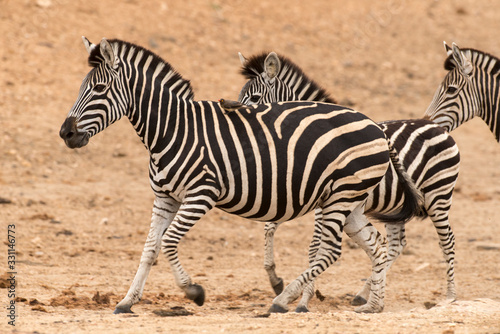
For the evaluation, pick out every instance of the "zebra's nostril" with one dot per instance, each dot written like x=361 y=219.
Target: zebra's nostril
x=69 y=135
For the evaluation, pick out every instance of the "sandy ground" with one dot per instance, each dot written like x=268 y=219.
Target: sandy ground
x=81 y=216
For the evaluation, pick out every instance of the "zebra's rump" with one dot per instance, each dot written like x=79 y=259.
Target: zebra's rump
x=428 y=153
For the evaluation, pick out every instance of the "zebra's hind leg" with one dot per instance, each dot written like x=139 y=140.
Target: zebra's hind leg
x=308 y=292
x=164 y=210
x=396 y=241
x=189 y=213
x=329 y=251
x=447 y=244
x=269 y=264
x=359 y=229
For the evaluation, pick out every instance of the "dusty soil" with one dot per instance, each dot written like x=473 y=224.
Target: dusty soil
x=81 y=216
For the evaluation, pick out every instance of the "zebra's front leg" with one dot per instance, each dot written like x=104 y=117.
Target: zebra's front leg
x=269 y=264
x=359 y=229
x=189 y=213
x=164 y=210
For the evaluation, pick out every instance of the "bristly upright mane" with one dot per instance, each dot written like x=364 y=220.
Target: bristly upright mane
x=122 y=47
x=255 y=66
x=475 y=57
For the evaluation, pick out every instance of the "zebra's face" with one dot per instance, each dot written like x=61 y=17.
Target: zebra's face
x=99 y=103
x=451 y=104
x=456 y=100
x=261 y=90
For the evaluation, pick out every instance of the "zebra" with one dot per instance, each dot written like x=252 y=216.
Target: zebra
x=273 y=163
x=428 y=153
x=469 y=89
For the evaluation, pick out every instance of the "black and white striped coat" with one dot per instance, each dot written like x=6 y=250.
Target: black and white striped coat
x=427 y=152
x=274 y=163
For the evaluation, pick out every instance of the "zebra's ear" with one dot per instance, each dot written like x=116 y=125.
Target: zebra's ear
x=447 y=48
x=243 y=60
x=462 y=61
x=108 y=54
x=88 y=45
x=272 y=65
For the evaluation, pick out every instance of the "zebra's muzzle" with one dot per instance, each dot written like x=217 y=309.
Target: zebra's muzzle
x=73 y=138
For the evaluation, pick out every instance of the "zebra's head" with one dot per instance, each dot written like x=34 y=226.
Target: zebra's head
x=456 y=100
x=275 y=78
x=100 y=101
x=264 y=84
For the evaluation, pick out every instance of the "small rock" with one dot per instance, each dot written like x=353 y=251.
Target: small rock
x=429 y=305
x=488 y=246
x=44 y=3
x=175 y=311
x=64 y=232
x=34 y=301
x=422 y=266
x=39 y=308
x=5 y=201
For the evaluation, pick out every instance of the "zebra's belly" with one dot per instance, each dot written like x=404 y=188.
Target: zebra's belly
x=295 y=196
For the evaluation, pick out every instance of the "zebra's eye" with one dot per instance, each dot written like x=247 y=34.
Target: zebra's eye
x=254 y=98
x=99 y=88
x=451 y=90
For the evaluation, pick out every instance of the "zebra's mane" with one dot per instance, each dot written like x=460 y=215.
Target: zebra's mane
x=255 y=66
x=477 y=58
x=122 y=47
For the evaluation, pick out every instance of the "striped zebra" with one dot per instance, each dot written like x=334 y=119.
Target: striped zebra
x=273 y=163
x=469 y=89
x=428 y=153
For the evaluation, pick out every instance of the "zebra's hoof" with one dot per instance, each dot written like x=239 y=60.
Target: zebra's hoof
x=278 y=288
x=196 y=293
x=358 y=300
x=367 y=309
x=122 y=309
x=301 y=309
x=275 y=308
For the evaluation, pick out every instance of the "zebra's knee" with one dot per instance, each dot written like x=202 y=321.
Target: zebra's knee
x=269 y=267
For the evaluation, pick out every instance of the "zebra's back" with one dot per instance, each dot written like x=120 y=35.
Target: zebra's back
x=292 y=154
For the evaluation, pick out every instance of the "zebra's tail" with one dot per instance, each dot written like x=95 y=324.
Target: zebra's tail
x=413 y=204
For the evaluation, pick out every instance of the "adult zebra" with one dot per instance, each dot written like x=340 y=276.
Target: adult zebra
x=471 y=88
x=428 y=153
x=274 y=163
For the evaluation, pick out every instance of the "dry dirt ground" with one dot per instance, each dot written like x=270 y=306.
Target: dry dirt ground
x=81 y=216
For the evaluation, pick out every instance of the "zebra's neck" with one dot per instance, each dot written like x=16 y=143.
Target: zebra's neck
x=160 y=117
x=487 y=86
x=304 y=88
x=157 y=96
x=489 y=97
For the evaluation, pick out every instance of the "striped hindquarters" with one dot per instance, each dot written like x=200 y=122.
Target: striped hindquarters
x=431 y=158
